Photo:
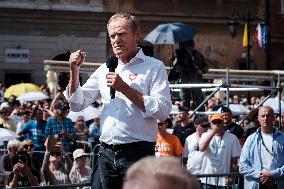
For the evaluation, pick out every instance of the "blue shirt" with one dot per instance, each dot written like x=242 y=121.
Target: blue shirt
x=251 y=163
x=94 y=130
x=35 y=132
x=54 y=127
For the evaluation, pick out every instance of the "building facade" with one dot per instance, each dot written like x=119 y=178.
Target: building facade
x=36 y=30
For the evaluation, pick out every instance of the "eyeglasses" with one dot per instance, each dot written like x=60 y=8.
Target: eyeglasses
x=29 y=145
x=217 y=122
x=55 y=153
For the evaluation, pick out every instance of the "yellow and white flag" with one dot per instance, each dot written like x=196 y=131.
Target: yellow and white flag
x=245 y=38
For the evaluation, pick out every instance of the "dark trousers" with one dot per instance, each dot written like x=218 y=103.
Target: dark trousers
x=114 y=161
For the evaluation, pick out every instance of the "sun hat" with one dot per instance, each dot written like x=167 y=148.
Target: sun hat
x=78 y=153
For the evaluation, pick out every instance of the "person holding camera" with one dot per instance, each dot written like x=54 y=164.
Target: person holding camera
x=189 y=67
x=27 y=145
x=22 y=175
x=56 y=164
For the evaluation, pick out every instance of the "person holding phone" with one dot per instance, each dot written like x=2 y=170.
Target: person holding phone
x=22 y=175
x=56 y=164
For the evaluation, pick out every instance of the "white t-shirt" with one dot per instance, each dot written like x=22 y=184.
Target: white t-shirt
x=266 y=156
x=217 y=157
x=191 y=151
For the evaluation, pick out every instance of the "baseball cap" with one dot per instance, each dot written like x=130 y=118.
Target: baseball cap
x=225 y=109
x=203 y=121
x=217 y=117
x=78 y=153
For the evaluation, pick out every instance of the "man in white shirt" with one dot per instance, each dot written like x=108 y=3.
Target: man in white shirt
x=221 y=152
x=128 y=121
x=192 y=157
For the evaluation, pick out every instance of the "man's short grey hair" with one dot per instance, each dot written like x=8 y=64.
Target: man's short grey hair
x=13 y=143
x=159 y=173
x=133 y=20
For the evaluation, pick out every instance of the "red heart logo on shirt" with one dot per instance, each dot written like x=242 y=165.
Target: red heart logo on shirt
x=132 y=76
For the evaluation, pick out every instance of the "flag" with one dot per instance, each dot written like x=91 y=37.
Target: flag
x=264 y=33
x=258 y=35
x=245 y=38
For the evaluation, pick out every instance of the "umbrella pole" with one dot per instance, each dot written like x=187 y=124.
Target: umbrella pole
x=173 y=57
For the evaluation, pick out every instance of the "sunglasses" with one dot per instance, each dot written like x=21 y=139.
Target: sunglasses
x=29 y=145
x=217 y=122
x=55 y=153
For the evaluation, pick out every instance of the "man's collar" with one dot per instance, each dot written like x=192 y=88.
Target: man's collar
x=139 y=57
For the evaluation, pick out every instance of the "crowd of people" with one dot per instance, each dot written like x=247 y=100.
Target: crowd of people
x=135 y=119
x=45 y=152
x=47 y=149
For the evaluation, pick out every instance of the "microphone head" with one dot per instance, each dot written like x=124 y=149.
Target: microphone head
x=112 y=62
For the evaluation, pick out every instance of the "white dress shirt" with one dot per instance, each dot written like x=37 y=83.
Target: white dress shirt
x=121 y=120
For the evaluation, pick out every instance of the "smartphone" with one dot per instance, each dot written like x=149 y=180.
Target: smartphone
x=51 y=143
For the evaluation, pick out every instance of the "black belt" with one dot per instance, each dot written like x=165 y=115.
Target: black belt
x=127 y=146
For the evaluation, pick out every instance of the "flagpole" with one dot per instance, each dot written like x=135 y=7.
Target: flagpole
x=267 y=51
x=248 y=38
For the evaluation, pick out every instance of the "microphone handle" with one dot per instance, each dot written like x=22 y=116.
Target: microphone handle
x=112 y=90
x=112 y=93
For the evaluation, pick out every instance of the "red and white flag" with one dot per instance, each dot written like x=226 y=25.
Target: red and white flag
x=258 y=36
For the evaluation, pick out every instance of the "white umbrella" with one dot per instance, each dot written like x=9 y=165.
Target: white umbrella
x=274 y=104
x=88 y=113
x=6 y=135
x=174 y=109
x=236 y=109
x=32 y=96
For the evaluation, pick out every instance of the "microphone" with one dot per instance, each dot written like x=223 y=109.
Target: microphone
x=111 y=64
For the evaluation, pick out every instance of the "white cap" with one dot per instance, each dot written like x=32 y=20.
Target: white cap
x=78 y=153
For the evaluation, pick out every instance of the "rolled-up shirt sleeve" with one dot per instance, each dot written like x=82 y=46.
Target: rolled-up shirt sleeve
x=85 y=95
x=158 y=103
